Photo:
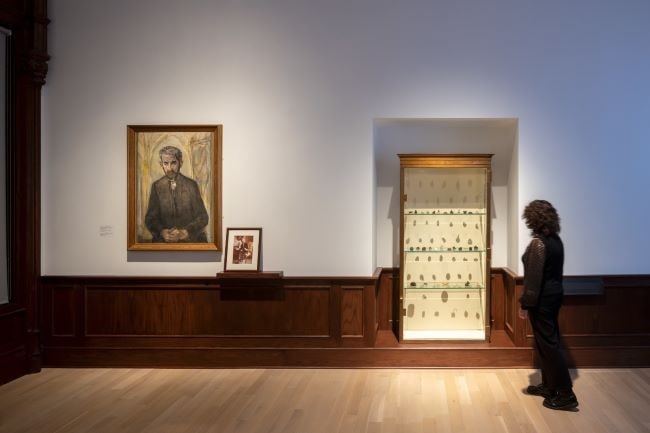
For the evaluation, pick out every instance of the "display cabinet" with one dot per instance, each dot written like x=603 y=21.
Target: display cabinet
x=445 y=247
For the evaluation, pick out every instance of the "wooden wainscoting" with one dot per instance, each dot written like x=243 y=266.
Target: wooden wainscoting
x=314 y=322
x=184 y=321
x=13 y=343
x=607 y=329
x=512 y=290
x=388 y=300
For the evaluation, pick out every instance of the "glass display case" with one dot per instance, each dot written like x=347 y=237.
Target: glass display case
x=445 y=247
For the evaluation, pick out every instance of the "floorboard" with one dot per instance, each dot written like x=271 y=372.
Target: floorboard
x=317 y=400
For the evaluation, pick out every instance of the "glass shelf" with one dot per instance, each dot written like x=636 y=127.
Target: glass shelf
x=439 y=213
x=445 y=286
x=421 y=251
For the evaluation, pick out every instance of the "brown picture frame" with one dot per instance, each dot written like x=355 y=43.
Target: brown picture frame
x=166 y=208
x=243 y=250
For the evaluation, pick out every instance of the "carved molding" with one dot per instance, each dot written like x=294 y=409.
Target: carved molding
x=37 y=66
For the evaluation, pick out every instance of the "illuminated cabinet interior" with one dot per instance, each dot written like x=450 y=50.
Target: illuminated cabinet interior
x=445 y=247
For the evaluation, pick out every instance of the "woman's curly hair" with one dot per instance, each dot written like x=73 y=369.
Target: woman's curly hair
x=542 y=218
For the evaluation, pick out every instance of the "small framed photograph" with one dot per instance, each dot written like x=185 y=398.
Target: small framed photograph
x=174 y=187
x=243 y=249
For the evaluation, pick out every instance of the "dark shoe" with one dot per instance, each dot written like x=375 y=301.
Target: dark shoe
x=562 y=401
x=540 y=390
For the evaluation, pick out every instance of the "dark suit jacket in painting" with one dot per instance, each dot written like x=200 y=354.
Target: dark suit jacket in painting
x=180 y=208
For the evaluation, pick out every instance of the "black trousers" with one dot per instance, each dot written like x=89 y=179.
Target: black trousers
x=543 y=318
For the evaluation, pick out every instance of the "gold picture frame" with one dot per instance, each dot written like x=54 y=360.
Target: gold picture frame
x=174 y=187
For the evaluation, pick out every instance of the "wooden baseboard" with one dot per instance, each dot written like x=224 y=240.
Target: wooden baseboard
x=586 y=357
x=414 y=356
x=289 y=357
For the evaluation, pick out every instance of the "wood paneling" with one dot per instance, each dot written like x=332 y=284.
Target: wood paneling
x=122 y=313
x=145 y=311
x=64 y=312
x=602 y=314
x=13 y=343
x=497 y=301
x=149 y=311
x=370 y=309
x=304 y=311
x=12 y=329
x=352 y=312
x=26 y=71
x=513 y=325
x=388 y=286
x=12 y=364
x=313 y=321
x=620 y=315
x=616 y=318
x=611 y=329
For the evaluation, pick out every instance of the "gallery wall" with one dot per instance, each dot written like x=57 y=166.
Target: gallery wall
x=298 y=87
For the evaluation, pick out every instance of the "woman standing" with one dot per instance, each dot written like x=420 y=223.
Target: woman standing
x=541 y=302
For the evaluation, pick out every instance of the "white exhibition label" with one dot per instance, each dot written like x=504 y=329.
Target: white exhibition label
x=106 y=231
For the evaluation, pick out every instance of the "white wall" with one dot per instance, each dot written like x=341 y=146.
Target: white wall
x=513 y=205
x=297 y=85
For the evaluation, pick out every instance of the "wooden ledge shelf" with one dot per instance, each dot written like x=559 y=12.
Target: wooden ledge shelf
x=239 y=278
x=250 y=285
x=248 y=276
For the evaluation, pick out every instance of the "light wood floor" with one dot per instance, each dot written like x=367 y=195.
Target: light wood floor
x=316 y=400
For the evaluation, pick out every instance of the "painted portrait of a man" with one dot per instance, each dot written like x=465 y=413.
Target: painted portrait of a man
x=174 y=187
x=176 y=212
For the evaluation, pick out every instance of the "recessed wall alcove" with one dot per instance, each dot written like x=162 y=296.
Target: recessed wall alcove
x=447 y=136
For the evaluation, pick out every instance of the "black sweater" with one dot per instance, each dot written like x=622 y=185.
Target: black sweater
x=543 y=266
